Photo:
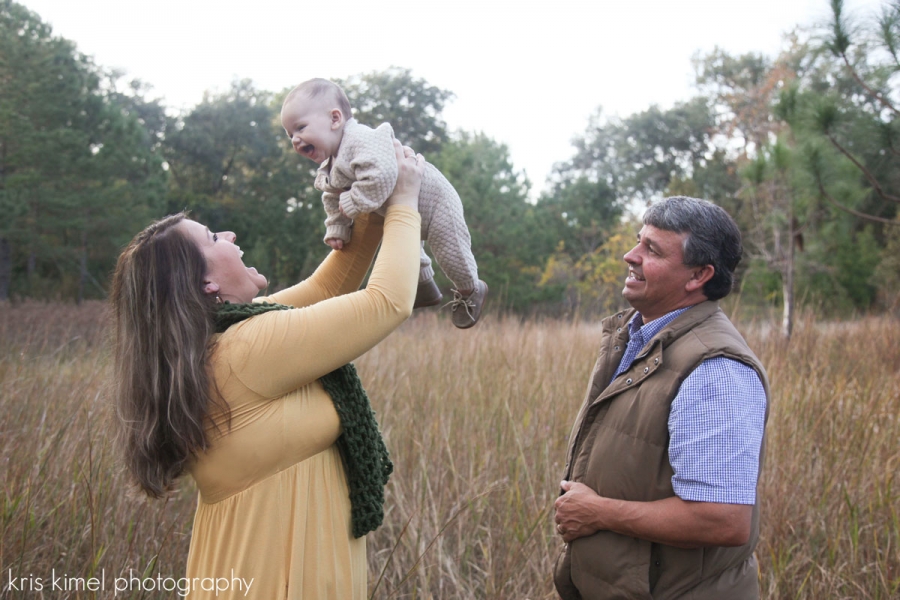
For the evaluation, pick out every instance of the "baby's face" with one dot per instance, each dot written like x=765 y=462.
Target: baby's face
x=315 y=128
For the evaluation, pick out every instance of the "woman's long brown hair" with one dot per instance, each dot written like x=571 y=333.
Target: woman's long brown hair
x=163 y=324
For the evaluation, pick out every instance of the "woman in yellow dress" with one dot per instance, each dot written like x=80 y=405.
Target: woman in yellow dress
x=238 y=402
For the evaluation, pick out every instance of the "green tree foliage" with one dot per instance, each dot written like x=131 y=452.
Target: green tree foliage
x=233 y=168
x=411 y=105
x=592 y=282
x=77 y=162
x=886 y=277
x=624 y=164
x=122 y=182
x=802 y=149
x=842 y=113
x=509 y=239
x=848 y=102
x=584 y=212
x=811 y=145
x=221 y=143
x=742 y=90
x=638 y=156
x=855 y=123
x=775 y=233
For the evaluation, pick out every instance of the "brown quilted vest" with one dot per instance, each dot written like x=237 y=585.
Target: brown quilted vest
x=619 y=447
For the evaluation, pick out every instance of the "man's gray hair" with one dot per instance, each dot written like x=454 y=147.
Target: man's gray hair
x=713 y=238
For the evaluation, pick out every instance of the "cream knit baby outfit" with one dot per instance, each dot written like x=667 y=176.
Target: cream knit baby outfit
x=362 y=176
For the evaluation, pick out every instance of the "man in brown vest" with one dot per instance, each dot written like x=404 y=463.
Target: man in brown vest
x=659 y=495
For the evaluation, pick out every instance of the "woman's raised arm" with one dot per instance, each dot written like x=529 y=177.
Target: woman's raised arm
x=343 y=271
x=288 y=349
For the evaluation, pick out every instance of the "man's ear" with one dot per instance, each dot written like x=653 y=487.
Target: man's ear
x=337 y=119
x=210 y=288
x=699 y=277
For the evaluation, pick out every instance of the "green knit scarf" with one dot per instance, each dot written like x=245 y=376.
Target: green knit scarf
x=362 y=448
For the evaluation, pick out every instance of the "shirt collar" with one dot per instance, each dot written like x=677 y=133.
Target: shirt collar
x=636 y=325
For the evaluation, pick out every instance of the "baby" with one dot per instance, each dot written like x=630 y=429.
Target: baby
x=357 y=172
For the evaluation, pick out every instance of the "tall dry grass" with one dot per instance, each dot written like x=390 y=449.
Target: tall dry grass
x=65 y=505
x=830 y=489
x=476 y=422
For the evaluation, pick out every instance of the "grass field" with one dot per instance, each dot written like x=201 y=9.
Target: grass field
x=476 y=423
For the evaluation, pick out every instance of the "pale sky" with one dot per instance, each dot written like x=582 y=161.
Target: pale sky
x=527 y=73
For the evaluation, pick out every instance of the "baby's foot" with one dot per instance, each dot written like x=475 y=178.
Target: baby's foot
x=467 y=305
x=427 y=294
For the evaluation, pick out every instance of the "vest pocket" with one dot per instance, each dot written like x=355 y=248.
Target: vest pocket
x=611 y=566
x=655 y=566
x=562 y=576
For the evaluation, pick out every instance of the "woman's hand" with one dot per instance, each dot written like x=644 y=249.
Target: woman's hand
x=409 y=178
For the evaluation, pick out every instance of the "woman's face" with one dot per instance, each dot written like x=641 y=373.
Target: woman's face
x=226 y=274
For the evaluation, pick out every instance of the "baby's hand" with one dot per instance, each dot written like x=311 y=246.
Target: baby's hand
x=335 y=243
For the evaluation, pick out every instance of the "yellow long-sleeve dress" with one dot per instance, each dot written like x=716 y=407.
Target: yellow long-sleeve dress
x=273 y=503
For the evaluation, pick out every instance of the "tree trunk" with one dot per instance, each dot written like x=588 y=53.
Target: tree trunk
x=5 y=269
x=82 y=274
x=787 y=281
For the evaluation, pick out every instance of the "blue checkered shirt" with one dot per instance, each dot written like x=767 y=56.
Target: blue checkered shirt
x=716 y=423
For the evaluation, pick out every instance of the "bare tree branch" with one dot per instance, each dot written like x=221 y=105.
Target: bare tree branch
x=884 y=101
x=849 y=210
x=868 y=174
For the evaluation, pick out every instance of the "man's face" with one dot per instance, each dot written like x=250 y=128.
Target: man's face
x=658 y=282
x=315 y=129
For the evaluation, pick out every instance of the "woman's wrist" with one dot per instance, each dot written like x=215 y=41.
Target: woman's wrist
x=404 y=199
x=401 y=208
x=411 y=168
x=398 y=215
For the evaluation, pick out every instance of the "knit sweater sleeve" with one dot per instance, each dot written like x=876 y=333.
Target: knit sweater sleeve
x=281 y=351
x=374 y=166
x=337 y=225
